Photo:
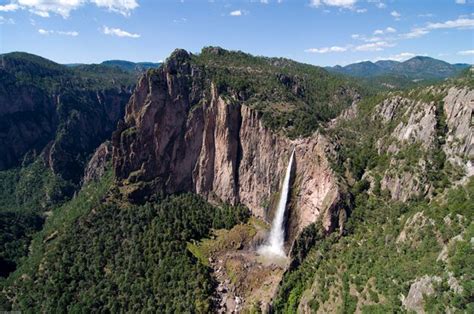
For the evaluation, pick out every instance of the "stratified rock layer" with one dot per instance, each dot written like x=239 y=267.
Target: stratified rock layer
x=180 y=134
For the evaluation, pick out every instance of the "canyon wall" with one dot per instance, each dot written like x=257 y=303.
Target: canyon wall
x=181 y=134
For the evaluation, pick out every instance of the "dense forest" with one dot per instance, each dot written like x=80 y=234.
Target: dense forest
x=97 y=253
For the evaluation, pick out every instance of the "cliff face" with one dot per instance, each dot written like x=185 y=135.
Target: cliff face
x=179 y=135
x=55 y=111
x=459 y=108
x=418 y=189
x=27 y=122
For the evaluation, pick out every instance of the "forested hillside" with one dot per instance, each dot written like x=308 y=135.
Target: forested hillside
x=407 y=241
x=52 y=118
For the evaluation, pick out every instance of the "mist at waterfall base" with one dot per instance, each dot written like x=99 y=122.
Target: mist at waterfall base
x=276 y=240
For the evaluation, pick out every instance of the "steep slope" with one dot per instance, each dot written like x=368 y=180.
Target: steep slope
x=52 y=118
x=42 y=103
x=97 y=253
x=391 y=174
x=186 y=130
x=407 y=158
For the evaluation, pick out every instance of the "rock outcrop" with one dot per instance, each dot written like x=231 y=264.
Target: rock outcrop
x=47 y=108
x=181 y=134
x=27 y=122
x=98 y=163
x=459 y=108
x=418 y=130
x=414 y=301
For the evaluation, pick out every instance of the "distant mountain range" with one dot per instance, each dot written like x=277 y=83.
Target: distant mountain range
x=128 y=66
x=131 y=66
x=416 y=68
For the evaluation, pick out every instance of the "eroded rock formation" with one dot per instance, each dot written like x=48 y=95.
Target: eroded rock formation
x=181 y=134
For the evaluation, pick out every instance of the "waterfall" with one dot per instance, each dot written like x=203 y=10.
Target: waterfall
x=276 y=239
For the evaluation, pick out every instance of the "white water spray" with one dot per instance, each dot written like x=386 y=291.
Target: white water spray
x=276 y=239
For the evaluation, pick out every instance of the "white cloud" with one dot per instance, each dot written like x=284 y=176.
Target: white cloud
x=236 y=13
x=395 y=14
x=385 y=31
x=375 y=46
x=9 y=7
x=51 y=32
x=118 y=32
x=415 y=33
x=45 y=7
x=4 y=20
x=64 y=7
x=43 y=31
x=326 y=49
x=123 y=7
x=361 y=10
x=333 y=3
x=461 y=1
x=181 y=20
x=378 y=3
x=460 y=23
x=368 y=39
x=466 y=52
x=73 y=33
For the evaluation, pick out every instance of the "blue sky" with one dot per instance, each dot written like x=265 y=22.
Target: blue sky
x=321 y=32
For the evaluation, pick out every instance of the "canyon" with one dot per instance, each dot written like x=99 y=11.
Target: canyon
x=177 y=137
x=176 y=180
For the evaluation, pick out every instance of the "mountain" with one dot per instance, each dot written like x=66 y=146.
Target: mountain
x=386 y=64
x=41 y=100
x=169 y=215
x=416 y=68
x=131 y=66
x=52 y=119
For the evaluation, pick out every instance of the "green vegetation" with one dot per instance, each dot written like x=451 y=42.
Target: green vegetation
x=72 y=109
x=32 y=188
x=16 y=230
x=294 y=97
x=373 y=252
x=97 y=254
x=29 y=69
x=133 y=67
x=226 y=239
x=418 y=68
x=25 y=194
x=387 y=244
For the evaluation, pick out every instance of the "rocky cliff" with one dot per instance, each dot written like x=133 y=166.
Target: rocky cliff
x=181 y=134
x=48 y=108
x=411 y=155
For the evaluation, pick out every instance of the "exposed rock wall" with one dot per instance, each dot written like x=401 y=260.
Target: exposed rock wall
x=458 y=108
x=27 y=122
x=98 y=163
x=417 y=123
x=67 y=126
x=181 y=136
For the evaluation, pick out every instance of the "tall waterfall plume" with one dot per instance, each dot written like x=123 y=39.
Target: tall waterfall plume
x=276 y=239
